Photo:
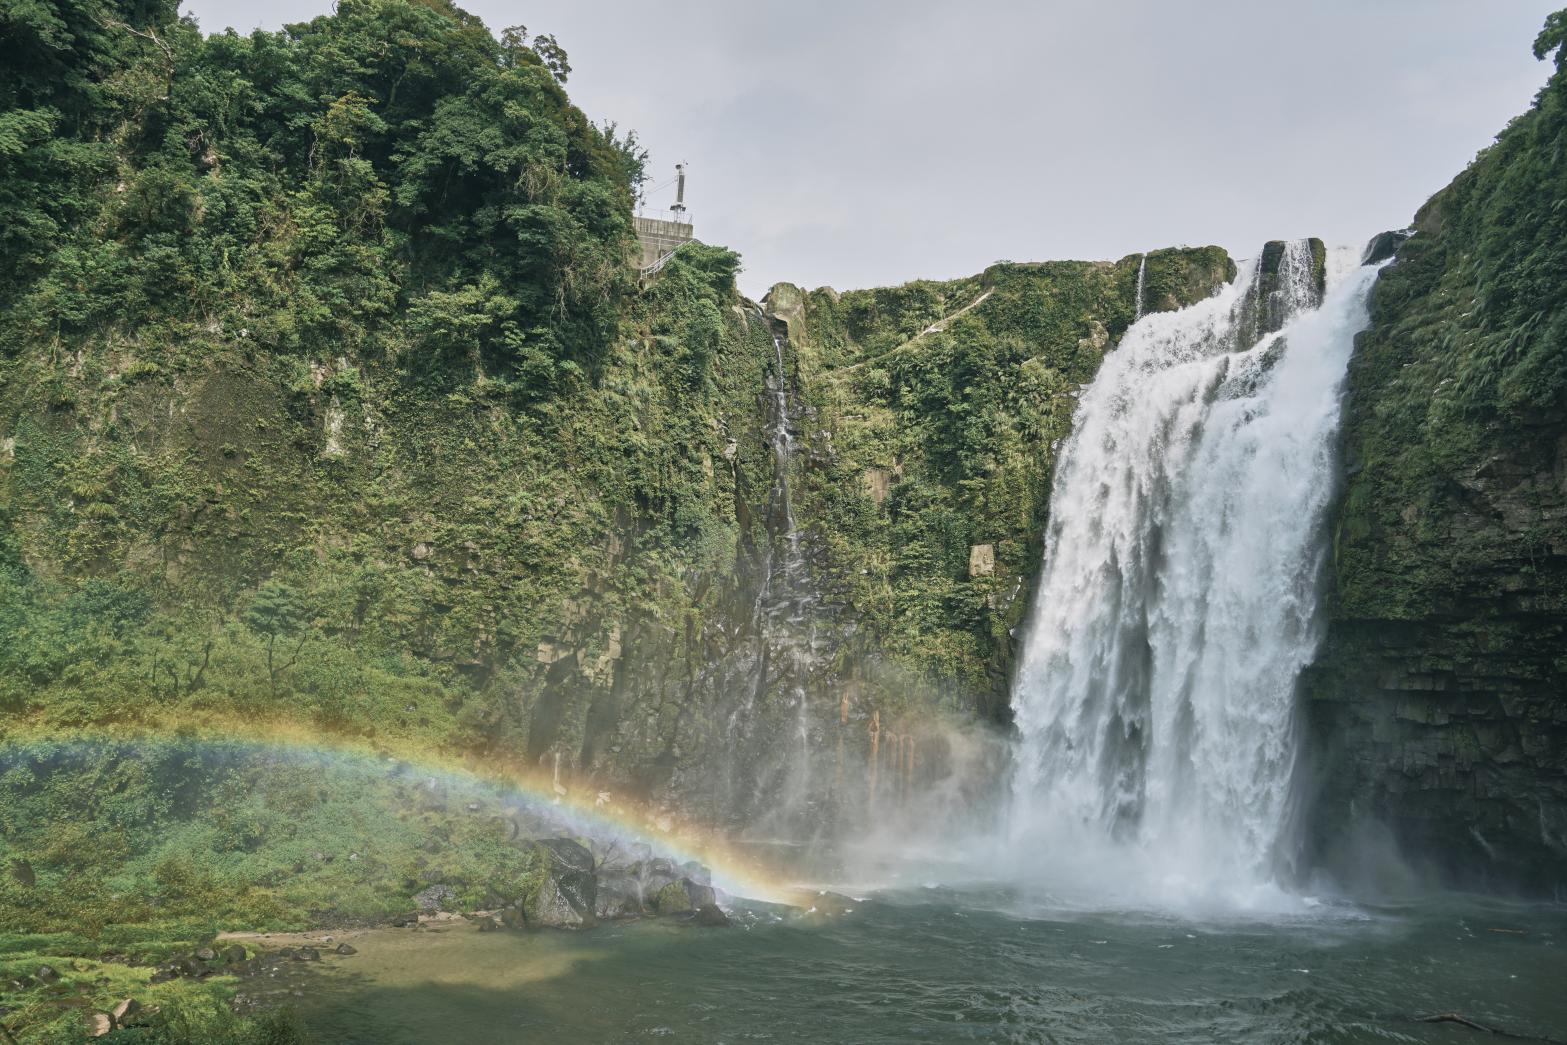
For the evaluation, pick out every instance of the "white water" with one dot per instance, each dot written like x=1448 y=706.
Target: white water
x=1155 y=695
x=1142 y=270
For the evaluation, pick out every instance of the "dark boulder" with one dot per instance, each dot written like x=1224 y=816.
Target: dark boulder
x=682 y=897
x=47 y=974
x=233 y=954
x=619 y=895
x=307 y=954
x=347 y=949
x=654 y=874
x=566 y=893
x=404 y=921
x=22 y=872
x=710 y=916
x=1384 y=245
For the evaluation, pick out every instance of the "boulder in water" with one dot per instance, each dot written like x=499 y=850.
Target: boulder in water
x=654 y=874
x=566 y=895
x=347 y=949
x=682 y=897
x=619 y=895
x=710 y=916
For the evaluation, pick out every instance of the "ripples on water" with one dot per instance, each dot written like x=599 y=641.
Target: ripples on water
x=936 y=965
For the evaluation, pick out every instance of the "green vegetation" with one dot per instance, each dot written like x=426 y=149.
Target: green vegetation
x=935 y=441
x=1436 y=703
x=1466 y=343
x=329 y=401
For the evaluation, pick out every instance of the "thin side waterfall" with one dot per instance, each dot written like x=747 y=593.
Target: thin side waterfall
x=772 y=727
x=1155 y=694
x=1142 y=271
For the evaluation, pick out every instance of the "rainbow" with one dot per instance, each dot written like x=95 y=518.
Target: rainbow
x=587 y=811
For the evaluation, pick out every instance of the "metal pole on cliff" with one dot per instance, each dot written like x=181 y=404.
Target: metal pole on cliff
x=679 y=209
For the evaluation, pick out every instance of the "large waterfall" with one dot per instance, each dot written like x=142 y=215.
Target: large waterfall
x=1177 y=602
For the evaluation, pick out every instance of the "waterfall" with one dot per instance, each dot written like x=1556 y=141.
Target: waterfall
x=1177 y=600
x=1142 y=271
x=769 y=770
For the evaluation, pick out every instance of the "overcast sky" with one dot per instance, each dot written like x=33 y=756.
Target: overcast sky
x=857 y=143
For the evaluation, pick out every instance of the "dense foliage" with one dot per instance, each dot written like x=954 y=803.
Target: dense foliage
x=1436 y=704
x=301 y=191
x=941 y=407
x=1468 y=340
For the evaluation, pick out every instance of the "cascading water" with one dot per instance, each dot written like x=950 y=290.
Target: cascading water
x=770 y=730
x=1177 y=603
x=1142 y=274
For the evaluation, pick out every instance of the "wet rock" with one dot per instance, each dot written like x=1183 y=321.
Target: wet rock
x=832 y=904
x=682 y=897
x=233 y=954
x=347 y=949
x=710 y=916
x=488 y=925
x=1384 y=245
x=435 y=898
x=307 y=954
x=207 y=954
x=568 y=895
x=512 y=918
x=404 y=921
x=656 y=873
x=619 y=895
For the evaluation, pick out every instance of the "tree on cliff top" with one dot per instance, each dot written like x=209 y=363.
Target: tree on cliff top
x=307 y=186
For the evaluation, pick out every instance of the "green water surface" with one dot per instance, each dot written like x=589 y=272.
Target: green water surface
x=935 y=965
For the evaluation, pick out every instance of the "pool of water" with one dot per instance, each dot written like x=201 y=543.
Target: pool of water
x=971 y=965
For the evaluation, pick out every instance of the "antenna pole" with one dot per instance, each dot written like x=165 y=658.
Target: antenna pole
x=679 y=209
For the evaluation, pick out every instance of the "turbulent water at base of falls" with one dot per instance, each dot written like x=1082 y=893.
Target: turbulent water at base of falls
x=1155 y=694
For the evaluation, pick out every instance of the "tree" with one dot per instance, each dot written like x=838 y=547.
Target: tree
x=1553 y=37
x=278 y=611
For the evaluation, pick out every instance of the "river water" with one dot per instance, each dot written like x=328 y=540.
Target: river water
x=979 y=965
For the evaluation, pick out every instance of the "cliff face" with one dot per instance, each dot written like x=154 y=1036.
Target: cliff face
x=327 y=395
x=1438 y=706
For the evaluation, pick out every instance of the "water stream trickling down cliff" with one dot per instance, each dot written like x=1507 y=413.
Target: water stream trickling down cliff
x=1177 y=603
